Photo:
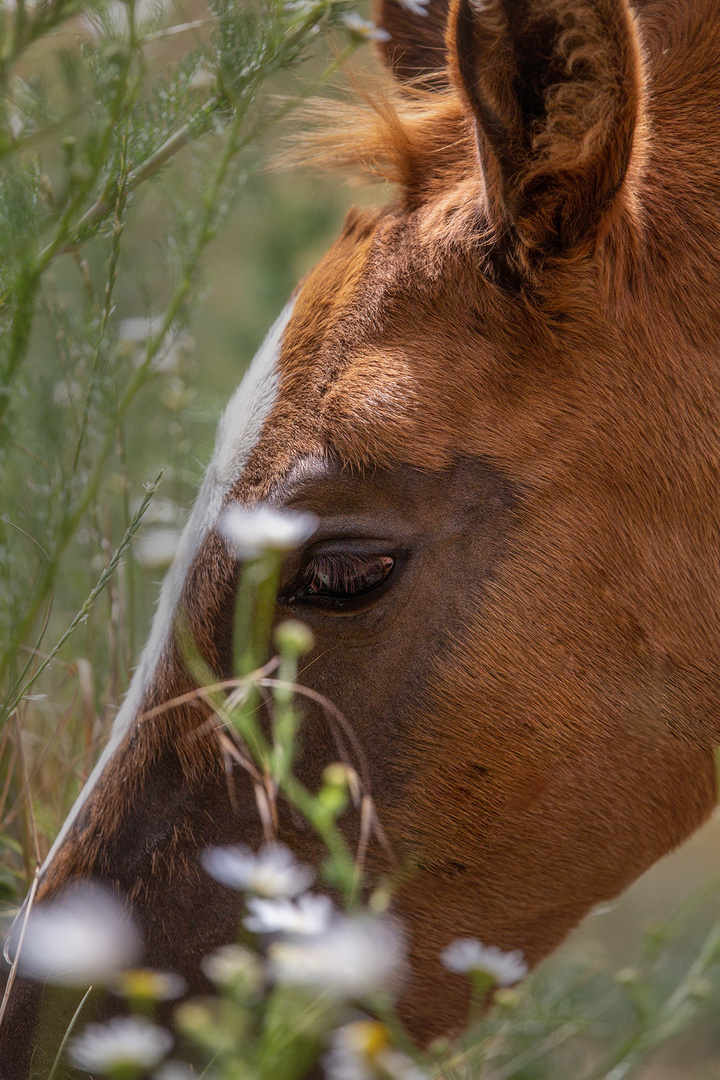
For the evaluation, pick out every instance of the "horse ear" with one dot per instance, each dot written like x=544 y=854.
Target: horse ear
x=416 y=46
x=556 y=89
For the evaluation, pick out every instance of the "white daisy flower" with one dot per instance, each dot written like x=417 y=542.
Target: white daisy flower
x=415 y=7
x=232 y=965
x=17 y=124
x=156 y=548
x=147 y=985
x=85 y=937
x=272 y=873
x=175 y=1070
x=468 y=955
x=363 y=28
x=250 y=532
x=363 y=1051
x=202 y=79
x=125 y=1042
x=136 y=329
x=305 y=917
x=355 y=957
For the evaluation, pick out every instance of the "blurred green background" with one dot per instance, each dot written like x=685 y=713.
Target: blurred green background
x=279 y=227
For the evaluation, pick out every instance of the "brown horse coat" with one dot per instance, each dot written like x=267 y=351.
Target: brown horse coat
x=508 y=382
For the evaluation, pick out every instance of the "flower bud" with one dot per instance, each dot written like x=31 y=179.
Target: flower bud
x=700 y=989
x=507 y=999
x=627 y=977
x=336 y=775
x=237 y=969
x=294 y=637
x=144 y=985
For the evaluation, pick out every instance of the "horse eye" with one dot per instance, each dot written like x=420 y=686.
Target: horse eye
x=342 y=575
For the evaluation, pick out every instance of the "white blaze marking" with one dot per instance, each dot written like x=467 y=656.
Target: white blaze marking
x=238 y=432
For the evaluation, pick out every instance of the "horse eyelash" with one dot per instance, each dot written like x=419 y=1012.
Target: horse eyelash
x=336 y=572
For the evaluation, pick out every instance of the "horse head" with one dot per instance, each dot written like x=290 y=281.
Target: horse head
x=499 y=396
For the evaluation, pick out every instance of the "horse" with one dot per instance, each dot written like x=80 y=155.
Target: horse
x=500 y=395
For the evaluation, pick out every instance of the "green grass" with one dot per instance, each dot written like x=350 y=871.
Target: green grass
x=74 y=470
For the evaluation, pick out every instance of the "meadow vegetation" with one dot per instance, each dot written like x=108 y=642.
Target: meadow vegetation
x=143 y=254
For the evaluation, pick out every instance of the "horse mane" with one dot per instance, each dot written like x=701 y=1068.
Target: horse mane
x=413 y=134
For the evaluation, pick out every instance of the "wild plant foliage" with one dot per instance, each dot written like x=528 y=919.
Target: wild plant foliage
x=101 y=101
x=118 y=118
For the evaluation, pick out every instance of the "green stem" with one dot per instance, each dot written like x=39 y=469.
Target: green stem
x=340 y=855
x=188 y=133
x=68 y=1033
x=118 y=228
x=651 y=1032
x=68 y=528
x=17 y=695
x=285 y=720
x=29 y=281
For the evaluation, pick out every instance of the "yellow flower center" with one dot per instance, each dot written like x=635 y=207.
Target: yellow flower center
x=369 y=1037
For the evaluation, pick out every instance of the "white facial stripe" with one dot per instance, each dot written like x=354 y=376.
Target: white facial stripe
x=238 y=433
